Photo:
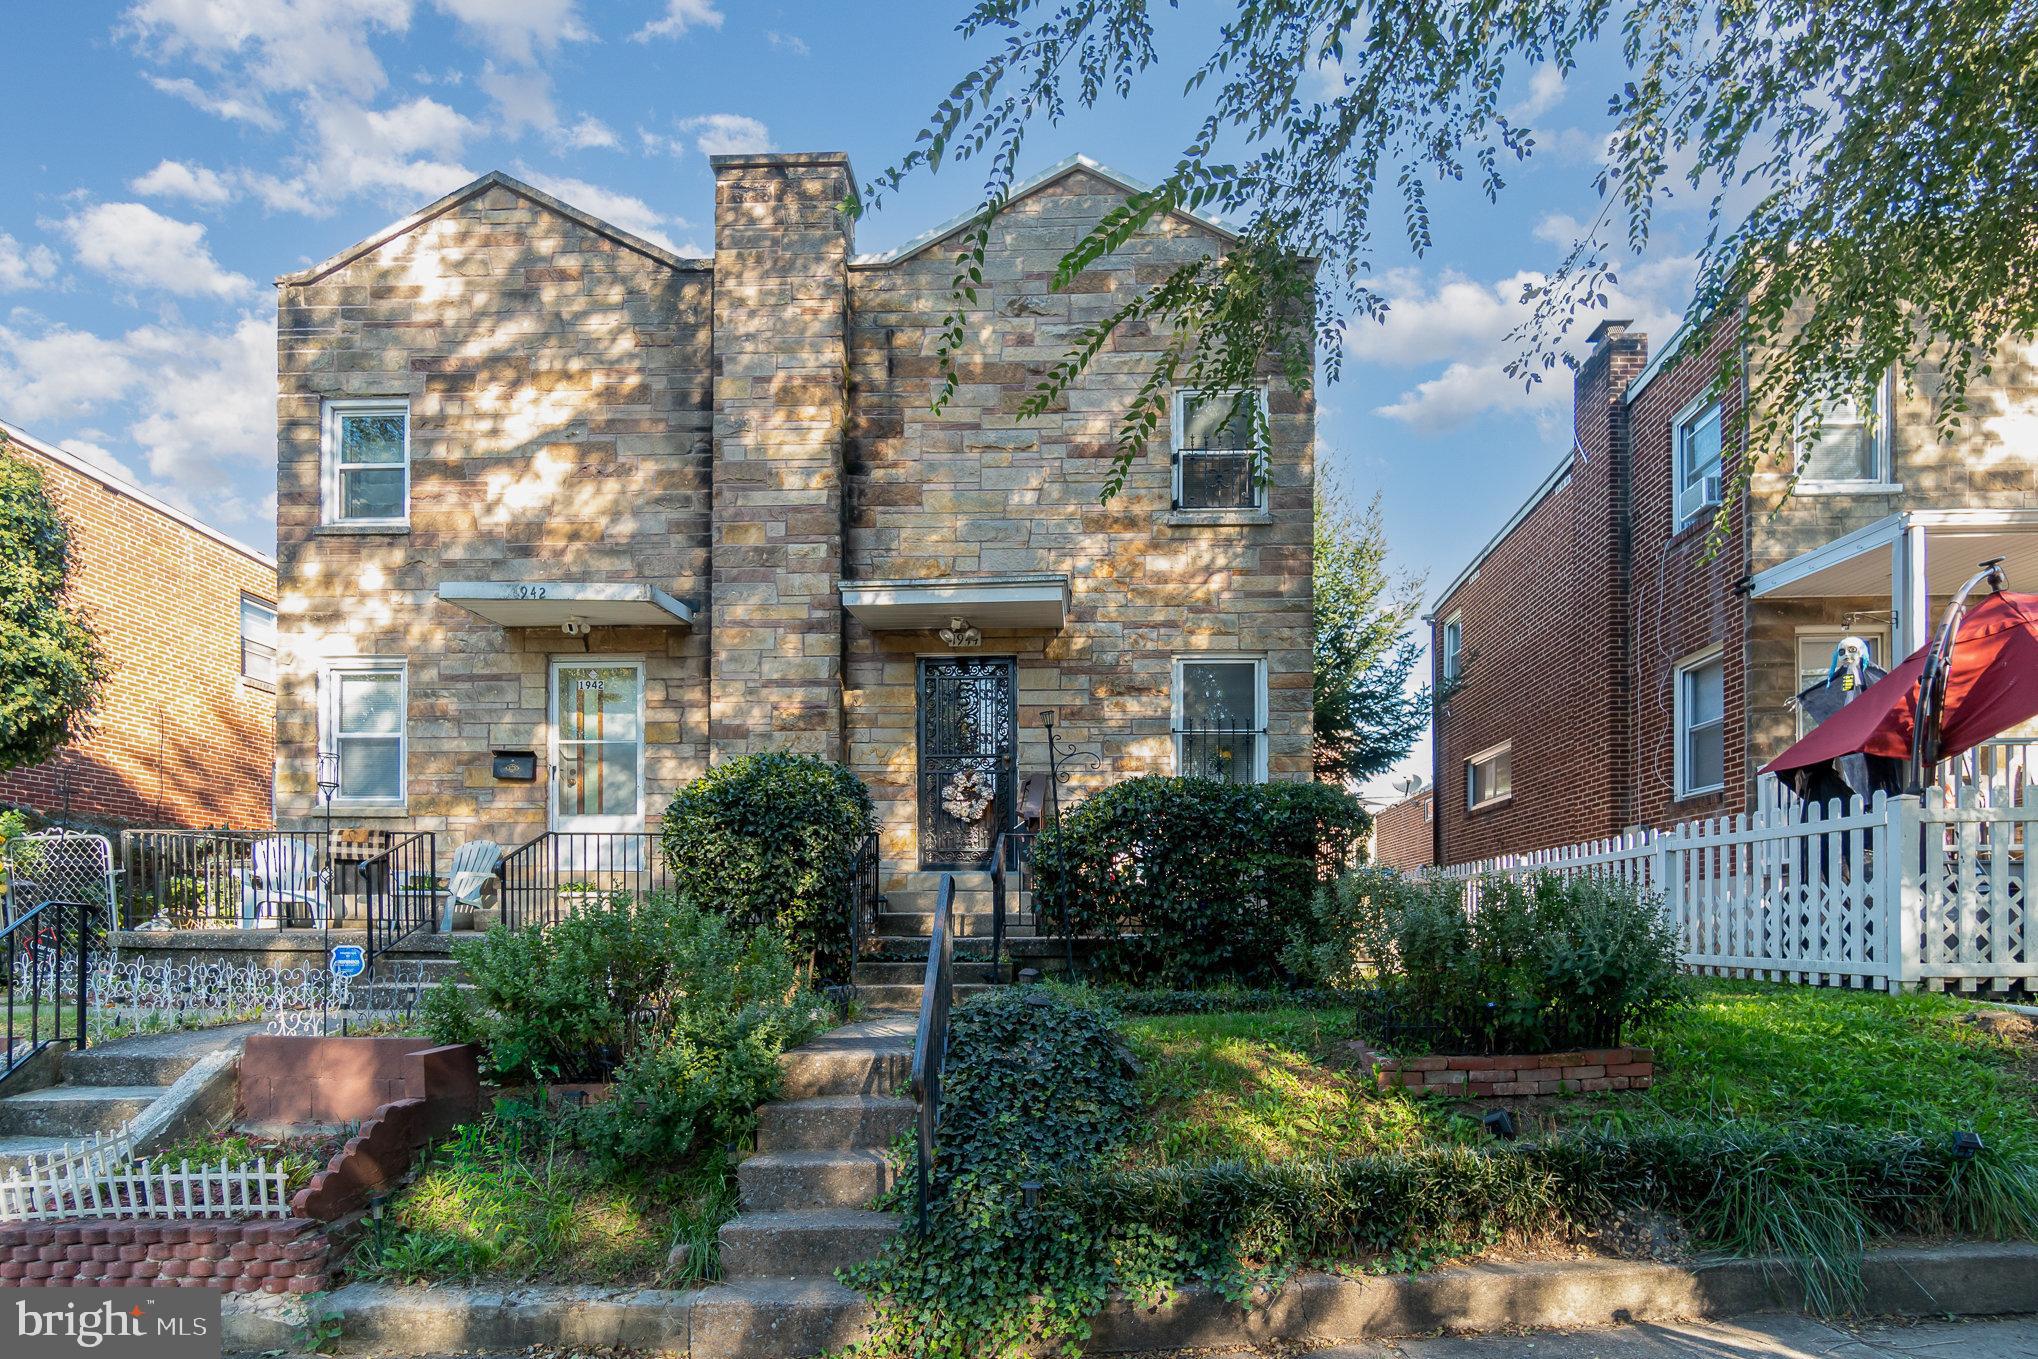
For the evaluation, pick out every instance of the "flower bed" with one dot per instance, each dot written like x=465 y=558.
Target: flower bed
x=1550 y=1073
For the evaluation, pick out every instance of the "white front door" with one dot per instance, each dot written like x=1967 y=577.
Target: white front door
x=597 y=745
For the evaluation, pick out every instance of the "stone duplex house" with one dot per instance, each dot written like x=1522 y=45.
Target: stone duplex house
x=563 y=518
x=1614 y=672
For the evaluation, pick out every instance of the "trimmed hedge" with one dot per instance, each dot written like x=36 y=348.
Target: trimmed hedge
x=1195 y=881
x=768 y=839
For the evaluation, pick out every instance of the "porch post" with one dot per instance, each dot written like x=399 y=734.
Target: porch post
x=1909 y=600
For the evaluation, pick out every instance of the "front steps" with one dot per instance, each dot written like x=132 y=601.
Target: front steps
x=101 y=1089
x=804 y=1198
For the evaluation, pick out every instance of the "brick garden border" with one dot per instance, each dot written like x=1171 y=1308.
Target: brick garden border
x=1549 y=1073
x=268 y=1255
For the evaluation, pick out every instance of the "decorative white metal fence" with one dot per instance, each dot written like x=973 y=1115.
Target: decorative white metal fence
x=1896 y=892
x=99 y=1177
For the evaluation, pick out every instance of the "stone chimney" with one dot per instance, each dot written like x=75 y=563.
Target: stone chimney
x=782 y=245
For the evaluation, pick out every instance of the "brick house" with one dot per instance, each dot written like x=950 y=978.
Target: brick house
x=1404 y=832
x=185 y=730
x=1618 y=672
x=546 y=489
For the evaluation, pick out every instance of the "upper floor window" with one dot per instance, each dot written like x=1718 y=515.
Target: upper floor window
x=1850 y=450
x=1701 y=725
x=361 y=726
x=1221 y=718
x=365 y=462
x=1697 y=444
x=1217 y=454
x=1451 y=643
x=258 y=640
x=1489 y=776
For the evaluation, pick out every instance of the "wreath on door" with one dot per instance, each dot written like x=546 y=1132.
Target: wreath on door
x=968 y=794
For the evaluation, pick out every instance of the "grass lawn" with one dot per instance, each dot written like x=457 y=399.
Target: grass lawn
x=1253 y=1086
x=509 y=1199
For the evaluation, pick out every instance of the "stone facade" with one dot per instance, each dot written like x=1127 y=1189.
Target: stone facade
x=181 y=736
x=1574 y=639
x=747 y=433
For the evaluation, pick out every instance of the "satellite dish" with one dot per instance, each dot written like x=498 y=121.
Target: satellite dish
x=1408 y=785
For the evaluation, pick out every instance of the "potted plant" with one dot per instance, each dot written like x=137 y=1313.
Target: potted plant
x=420 y=893
x=576 y=893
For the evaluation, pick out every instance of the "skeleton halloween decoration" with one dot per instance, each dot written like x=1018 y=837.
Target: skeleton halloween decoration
x=1851 y=671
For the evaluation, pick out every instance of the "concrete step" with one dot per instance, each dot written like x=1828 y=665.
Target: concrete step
x=847 y=1178
x=879 y=972
x=15 y=1152
x=929 y=880
x=883 y=997
x=150 y=1059
x=896 y=924
x=782 y=1319
x=871 y=1057
x=804 y=1243
x=74 y=1110
x=830 y=1122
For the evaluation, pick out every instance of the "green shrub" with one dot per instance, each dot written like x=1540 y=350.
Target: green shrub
x=1197 y=881
x=1541 y=965
x=768 y=839
x=572 y=1002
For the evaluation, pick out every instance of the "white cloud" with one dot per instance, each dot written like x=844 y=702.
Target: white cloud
x=590 y=134
x=517 y=30
x=408 y=151
x=280 y=45
x=789 y=42
x=175 y=179
x=101 y=457
x=1560 y=229
x=230 y=107
x=136 y=244
x=658 y=144
x=523 y=99
x=680 y=15
x=221 y=407
x=24 y=267
x=57 y=372
x=718 y=134
x=1545 y=92
x=630 y=213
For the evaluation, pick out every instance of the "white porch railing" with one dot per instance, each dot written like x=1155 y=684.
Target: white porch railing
x=1897 y=892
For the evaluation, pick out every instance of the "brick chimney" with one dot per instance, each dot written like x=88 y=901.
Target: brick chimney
x=782 y=245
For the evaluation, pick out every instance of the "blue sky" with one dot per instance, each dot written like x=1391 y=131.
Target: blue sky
x=166 y=159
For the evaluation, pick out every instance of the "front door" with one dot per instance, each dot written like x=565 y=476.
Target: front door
x=597 y=746
x=968 y=716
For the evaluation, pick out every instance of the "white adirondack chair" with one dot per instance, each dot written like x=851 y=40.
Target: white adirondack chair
x=472 y=879
x=284 y=872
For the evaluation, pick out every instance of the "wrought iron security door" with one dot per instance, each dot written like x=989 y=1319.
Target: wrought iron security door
x=968 y=717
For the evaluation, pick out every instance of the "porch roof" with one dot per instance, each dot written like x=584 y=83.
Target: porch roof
x=1036 y=602
x=553 y=603
x=1954 y=543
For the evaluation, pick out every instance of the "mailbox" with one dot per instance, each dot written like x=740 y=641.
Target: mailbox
x=516 y=766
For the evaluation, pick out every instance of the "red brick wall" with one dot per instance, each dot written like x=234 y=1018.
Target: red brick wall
x=1403 y=836
x=1684 y=598
x=1543 y=637
x=180 y=739
x=266 y=1256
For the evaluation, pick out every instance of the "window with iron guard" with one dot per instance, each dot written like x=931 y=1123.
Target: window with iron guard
x=1217 y=452
x=258 y=640
x=1221 y=719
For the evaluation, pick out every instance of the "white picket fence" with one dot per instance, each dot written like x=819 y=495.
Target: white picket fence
x=100 y=1178
x=1898 y=892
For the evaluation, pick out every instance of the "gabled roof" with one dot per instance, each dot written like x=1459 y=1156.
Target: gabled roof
x=492 y=180
x=1052 y=174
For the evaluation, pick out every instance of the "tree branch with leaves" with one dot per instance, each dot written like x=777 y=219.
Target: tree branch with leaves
x=51 y=665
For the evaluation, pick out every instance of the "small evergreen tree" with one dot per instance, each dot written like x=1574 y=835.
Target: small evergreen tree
x=51 y=665
x=1366 y=716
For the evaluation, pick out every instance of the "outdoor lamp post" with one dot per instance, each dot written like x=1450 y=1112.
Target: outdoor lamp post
x=328 y=788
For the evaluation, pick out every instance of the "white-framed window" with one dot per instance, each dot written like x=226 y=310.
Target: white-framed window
x=258 y=641
x=365 y=463
x=1220 y=718
x=1850 y=452
x=1701 y=725
x=1451 y=643
x=1489 y=776
x=1217 y=454
x=1815 y=657
x=362 y=707
x=1696 y=438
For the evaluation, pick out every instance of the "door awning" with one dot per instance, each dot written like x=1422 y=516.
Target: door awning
x=556 y=603
x=1025 y=603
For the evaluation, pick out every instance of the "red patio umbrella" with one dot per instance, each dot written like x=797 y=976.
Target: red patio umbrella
x=1990 y=685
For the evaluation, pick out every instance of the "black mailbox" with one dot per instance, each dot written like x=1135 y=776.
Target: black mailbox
x=517 y=766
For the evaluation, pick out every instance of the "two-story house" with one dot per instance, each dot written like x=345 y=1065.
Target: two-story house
x=564 y=517
x=1615 y=667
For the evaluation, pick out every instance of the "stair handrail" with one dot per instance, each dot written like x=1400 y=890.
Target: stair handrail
x=396 y=908
x=930 y=1040
x=39 y=941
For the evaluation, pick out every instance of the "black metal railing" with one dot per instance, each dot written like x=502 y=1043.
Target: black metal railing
x=1227 y=754
x=1011 y=904
x=930 y=1040
x=225 y=878
x=403 y=891
x=863 y=901
x=45 y=952
x=551 y=876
